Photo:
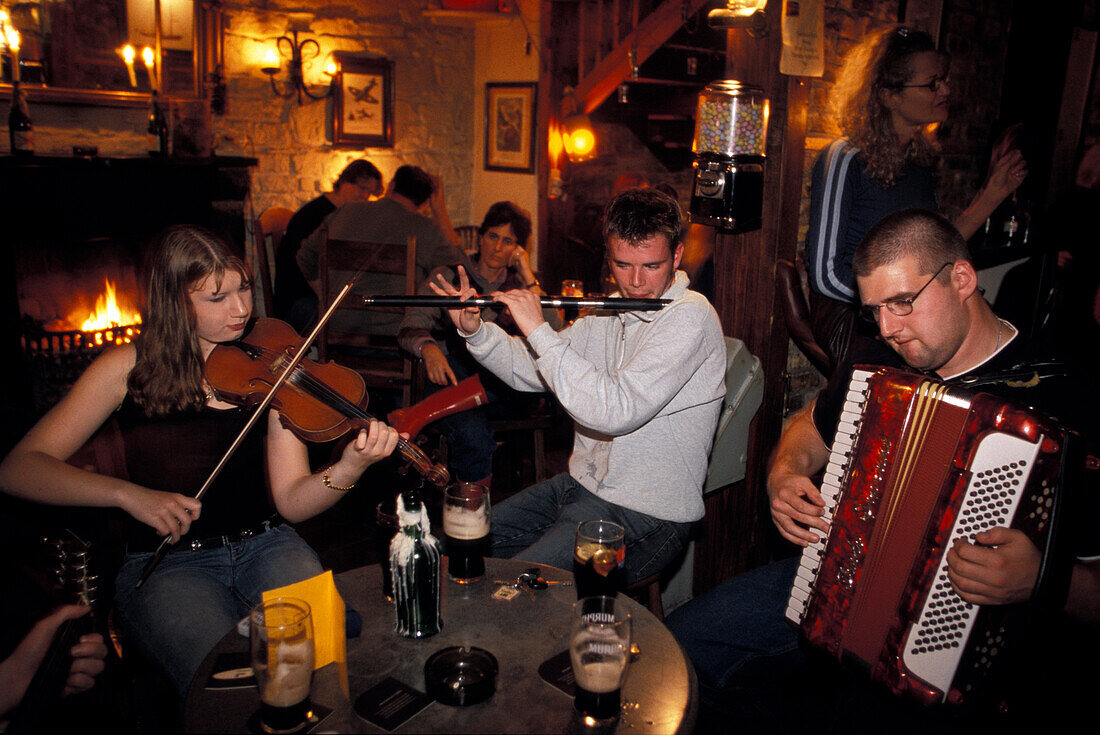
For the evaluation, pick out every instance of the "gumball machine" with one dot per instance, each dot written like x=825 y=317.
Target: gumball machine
x=731 y=124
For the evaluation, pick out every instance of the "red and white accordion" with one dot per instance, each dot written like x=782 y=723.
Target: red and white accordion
x=914 y=466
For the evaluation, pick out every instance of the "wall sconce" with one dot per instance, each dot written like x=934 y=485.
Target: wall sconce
x=293 y=52
x=578 y=137
x=747 y=14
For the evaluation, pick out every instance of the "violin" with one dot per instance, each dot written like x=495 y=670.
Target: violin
x=318 y=402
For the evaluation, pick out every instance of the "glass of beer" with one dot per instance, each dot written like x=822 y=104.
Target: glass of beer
x=599 y=651
x=281 y=634
x=598 y=555
x=466 y=530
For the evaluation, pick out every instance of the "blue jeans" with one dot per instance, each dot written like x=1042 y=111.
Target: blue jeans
x=194 y=598
x=755 y=677
x=743 y=648
x=470 y=440
x=538 y=525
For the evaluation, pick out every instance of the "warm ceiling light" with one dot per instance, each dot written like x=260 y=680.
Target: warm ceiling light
x=739 y=14
x=578 y=137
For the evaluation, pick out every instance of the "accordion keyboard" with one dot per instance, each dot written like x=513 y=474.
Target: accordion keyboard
x=832 y=481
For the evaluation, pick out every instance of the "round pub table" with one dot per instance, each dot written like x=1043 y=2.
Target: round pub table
x=523 y=634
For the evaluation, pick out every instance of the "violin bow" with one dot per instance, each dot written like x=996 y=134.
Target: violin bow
x=163 y=548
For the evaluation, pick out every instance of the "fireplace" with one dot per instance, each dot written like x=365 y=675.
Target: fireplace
x=76 y=232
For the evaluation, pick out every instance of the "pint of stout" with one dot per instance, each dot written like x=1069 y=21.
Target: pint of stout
x=466 y=530
x=281 y=633
x=599 y=552
x=599 y=651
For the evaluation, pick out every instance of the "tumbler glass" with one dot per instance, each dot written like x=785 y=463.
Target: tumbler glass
x=599 y=552
x=466 y=530
x=599 y=651
x=281 y=635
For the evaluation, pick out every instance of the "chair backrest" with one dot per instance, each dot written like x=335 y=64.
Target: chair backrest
x=374 y=356
x=467 y=235
x=267 y=232
x=794 y=293
x=744 y=394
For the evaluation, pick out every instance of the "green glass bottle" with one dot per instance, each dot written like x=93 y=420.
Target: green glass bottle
x=415 y=561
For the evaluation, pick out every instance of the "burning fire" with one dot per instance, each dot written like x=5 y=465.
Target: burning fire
x=109 y=323
x=107 y=313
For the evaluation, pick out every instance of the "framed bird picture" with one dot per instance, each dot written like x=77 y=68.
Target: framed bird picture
x=363 y=109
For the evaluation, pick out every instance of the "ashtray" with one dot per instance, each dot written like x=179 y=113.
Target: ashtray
x=460 y=676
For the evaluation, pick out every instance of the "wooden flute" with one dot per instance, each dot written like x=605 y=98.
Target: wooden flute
x=547 y=302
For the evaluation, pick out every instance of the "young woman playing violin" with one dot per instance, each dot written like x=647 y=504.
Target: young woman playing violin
x=237 y=543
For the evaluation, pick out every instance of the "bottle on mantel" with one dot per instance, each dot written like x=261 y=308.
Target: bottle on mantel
x=157 y=130
x=415 y=563
x=20 y=129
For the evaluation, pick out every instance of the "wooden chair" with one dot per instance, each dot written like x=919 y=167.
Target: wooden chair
x=267 y=232
x=467 y=235
x=794 y=293
x=386 y=367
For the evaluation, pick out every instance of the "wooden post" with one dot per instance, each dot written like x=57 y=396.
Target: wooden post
x=737 y=527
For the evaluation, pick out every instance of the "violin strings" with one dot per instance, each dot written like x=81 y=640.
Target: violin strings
x=322 y=392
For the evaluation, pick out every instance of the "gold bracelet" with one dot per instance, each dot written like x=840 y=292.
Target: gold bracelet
x=328 y=483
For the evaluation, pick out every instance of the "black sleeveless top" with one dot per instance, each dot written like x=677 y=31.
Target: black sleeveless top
x=176 y=454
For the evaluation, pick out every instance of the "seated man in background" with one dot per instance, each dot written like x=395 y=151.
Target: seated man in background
x=391 y=219
x=644 y=389
x=295 y=301
x=917 y=283
x=502 y=263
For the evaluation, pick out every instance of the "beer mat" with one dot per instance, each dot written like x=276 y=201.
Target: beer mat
x=390 y=703
x=557 y=671
x=232 y=671
x=317 y=715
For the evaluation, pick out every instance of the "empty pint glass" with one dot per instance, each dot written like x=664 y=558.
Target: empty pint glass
x=281 y=633
x=599 y=552
x=599 y=651
x=466 y=530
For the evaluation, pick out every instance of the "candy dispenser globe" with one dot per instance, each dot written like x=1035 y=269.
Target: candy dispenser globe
x=731 y=124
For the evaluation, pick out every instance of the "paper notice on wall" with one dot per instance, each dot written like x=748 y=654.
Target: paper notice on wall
x=803 y=38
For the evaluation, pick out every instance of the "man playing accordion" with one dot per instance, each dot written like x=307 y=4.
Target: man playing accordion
x=918 y=285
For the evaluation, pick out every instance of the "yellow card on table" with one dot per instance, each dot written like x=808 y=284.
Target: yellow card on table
x=327 y=607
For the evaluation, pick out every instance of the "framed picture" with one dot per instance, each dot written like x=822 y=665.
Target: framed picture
x=510 y=126
x=363 y=110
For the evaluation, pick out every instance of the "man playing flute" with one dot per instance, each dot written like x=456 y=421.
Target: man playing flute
x=644 y=389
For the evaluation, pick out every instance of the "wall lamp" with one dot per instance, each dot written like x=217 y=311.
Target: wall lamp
x=747 y=14
x=577 y=136
x=293 y=50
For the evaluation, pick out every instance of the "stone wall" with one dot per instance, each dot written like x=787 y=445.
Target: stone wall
x=433 y=70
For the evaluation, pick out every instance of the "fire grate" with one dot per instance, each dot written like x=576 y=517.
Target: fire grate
x=56 y=359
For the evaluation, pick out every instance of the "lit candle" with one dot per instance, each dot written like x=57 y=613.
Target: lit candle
x=270 y=64
x=147 y=57
x=128 y=54
x=13 y=44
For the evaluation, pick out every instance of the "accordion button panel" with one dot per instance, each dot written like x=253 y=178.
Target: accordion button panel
x=936 y=643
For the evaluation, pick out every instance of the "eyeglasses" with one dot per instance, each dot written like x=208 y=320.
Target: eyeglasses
x=897 y=307
x=933 y=86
